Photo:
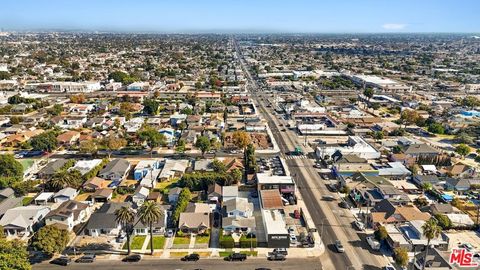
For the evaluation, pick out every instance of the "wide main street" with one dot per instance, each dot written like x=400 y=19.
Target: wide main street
x=206 y=264
x=333 y=222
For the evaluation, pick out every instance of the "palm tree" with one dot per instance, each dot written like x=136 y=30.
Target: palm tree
x=431 y=230
x=125 y=216
x=150 y=213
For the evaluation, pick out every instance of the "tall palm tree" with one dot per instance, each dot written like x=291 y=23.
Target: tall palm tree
x=431 y=230
x=125 y=216
x=148 y=214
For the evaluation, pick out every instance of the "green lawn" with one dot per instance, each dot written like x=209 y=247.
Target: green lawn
x=181 y=240
x=26 y=163
x=202 y=239
x=166 y=185
x=26 y=200
x=158 y=242
x=136 y=242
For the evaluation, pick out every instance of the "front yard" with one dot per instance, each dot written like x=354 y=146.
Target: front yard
x=158 y=242
x=184 y=240
x=136 y=242
x=202 y=239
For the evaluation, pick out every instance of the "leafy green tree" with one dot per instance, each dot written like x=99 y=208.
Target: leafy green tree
x=462 y=149
x=420 y=202
x=64 y=179
x=250 y=159
x=118 y=76
x=88 y=147
x=463 y=137
x=182 y=202
x=436 y=128
x=13 y=255
x=471 y=102
x=409 y=117
x=203 y=143
x=368 y=93
x=180 y=146
x=381 y=233
x=57 y=109
x=46 y=141
x=125 y=216
x=152 y=137
x=443 y=221
x=431 y=230
x=50 y=239
x=150 y=106
x=237 y=175
x=4 y=75
x=218 y=166
x=149 y=213
x=187 y=111
x=10 y=167
x=401 y=256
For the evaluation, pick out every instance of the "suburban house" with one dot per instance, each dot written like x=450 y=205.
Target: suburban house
x=116 y=170
x=94 y=184
x=140 y=195
x=173 y=195
x=435 y=260
x=51 y=168
x=214 y=193
x=8 y=200
x=65 y=194
x=102 y=221
x=43 y=198
x=238 y=216
x=84 y=166
x=68 y=138
x=194 y=222
x=385 y=212
x=144 y=167
x=417 y=150
x=68 y=215
x=457 y=184
x=238 y=207
x=173 y=168
x=101 y=195
x=24 y=220
x=229 y=193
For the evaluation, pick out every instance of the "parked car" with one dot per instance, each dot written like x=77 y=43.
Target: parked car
x=291 y=230
x=373 y=243
x=169 y=233
x=236 y=257
x=339 y=247
x=276 y=257
x=62 y=260
x=359 y=225
x=344 y=204
x=332 y=187
x=280 y=251
x=328 y=198
x=293 y=240
x=132 y=258
x=467 y=246
x=87 y=258
x=191 y=257
x=121 y=238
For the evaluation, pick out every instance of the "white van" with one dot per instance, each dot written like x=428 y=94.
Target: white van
x=374 y=244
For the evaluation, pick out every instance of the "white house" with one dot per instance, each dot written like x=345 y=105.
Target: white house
x=23 y=220
x=68 y=215
x=140 y=195
x=65 y=194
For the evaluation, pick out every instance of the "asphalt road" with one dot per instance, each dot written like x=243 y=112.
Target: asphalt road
x=332 y=222
x=206 y=264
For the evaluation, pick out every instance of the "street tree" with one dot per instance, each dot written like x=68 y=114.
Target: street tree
x=113 y=143
x=203 y=143
x=401 y=256
x=431 y=230
x=150 y=213
x=241 y=139
x=13 y=255
x=125 y=216
x=462 y=150
x=50 y=239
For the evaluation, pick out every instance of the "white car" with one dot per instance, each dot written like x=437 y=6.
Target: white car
x=291 y=230
x=374 y=244
x=293 y=240
x=359 y=225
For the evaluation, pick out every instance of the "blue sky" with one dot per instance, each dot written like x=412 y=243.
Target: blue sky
x=302 y=16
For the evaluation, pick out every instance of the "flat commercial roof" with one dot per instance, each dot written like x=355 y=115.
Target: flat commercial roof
x=264 y=178
x=274 y=222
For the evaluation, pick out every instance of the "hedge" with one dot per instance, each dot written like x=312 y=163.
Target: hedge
x=226 y=241
x=246 y=242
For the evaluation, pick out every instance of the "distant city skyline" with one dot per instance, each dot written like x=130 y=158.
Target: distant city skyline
x=246 y=16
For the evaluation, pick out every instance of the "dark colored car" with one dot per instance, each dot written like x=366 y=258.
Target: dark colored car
x=191 y=257
x=332 y=187
x=236 y=257
x=132 y=258
x=64 y=261
x=87 y=258
x=344 y=204
x=282 y=251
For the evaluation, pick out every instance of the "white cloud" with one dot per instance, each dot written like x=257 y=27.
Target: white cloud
x=394 y=26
